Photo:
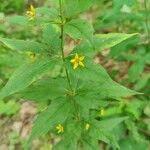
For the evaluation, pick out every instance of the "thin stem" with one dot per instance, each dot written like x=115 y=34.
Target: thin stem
x=62 y=43
x=146 y=19
x=63 y=59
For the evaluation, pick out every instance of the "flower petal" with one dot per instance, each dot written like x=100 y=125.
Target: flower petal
x=76 y=56
x=81 y=64
x=72 y=60
x=32 y=8
x=75 y=65
x=81 y=58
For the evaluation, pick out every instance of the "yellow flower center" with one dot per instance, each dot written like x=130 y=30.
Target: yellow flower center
x=77 y=61
x=59 y=128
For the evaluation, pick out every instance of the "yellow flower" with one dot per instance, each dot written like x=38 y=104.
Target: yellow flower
x=87 y=126
x=59 y=128
x=77 y=61
x=31 y=12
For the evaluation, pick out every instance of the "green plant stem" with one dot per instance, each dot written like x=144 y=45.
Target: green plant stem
x=146 y=20
x=62 y=43
x=63 y=58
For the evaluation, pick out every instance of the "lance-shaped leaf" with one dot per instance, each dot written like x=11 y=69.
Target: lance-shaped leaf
x=23 y=45
x=105 y=124
x=109 y=89
x=114 y=90
x=26 y=74
x=78 y=29
x=101 y=130
x=46 y=89
x=96 y=76
x=51 y=37
x=101 y=42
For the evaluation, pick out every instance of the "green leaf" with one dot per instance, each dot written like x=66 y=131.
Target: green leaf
x=103 y=41
x=90 y=144
x=106 y=90
x=26 y=74
x=56 y=113
x=51 y=37
x=98 y=134
x=74 y=7
x=101 y=130
x=23 y=45
x=105 y=87
x=46 y=89
x=110 y=90
x=19 y=20
x=100 y=42
x=87 y=99
x=51 y=13
x=12 y=59
x=69 y=143
x=78 y=29
x=105 y=124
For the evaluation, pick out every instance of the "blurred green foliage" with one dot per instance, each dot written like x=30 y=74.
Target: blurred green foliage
x=123 y=16
x=11 y=6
